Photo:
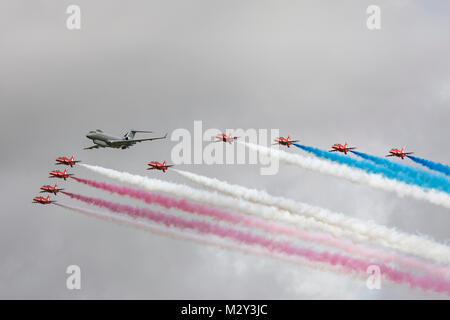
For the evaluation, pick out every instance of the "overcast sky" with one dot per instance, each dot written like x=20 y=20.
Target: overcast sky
x=310 y=69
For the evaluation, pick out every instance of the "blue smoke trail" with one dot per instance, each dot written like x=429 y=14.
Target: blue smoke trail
x=436 y=166
x=419 y=176
x=395 y=171
x=365 y=165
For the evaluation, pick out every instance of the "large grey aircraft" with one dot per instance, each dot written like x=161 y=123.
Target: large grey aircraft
x=104 y=140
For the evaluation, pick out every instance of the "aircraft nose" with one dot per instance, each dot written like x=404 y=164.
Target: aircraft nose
x=88 y=135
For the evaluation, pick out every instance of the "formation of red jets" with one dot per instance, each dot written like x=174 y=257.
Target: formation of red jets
x=344 y=148
x=155 y=165
x=337 y=147
x=56 y=174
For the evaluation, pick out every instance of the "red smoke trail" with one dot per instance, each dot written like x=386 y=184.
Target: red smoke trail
x=269 y=226
x=248 y=238
x=202 y=239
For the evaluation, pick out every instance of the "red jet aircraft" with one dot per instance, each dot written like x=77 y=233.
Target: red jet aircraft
x=224 y=138
x=159 y=166
x=285 y=141
x=50 y=189
x=59 y=174
x=66 y=161
x=42 y=200
x=398 y=153
x=341 y=148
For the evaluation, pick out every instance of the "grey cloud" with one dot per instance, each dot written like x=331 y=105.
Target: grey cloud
x=312 y=70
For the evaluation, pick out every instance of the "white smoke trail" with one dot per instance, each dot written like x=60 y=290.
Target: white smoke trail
x=407 y=243
x=354 y=175
x=209 y=240
x=218 y=200
x=368 y=228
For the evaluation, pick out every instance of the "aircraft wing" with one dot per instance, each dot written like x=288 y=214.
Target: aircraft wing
x=334 y=150
x=165 y=166
x=95 y=146
x=147 y=139
x=133 y=141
